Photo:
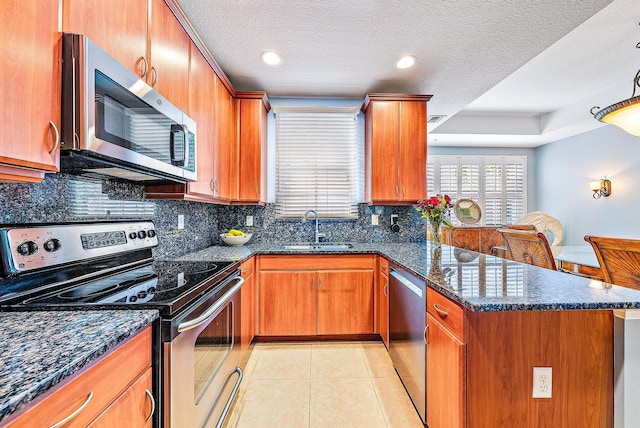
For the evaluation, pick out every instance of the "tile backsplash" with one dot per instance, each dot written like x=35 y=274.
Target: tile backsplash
x=57 y=199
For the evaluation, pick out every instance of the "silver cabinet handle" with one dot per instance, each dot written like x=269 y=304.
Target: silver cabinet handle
x=234 y=392
x=154 y=76
x=257 y=191
x=320 y=283
x=212 y=185
x=146 y=67
x=403 y=191
x=385 y=290
x=424 y=335
x=313 y=283
x=440 y=311
x=57 y=134
x=397 y=192
x=191 y=324
x=75 y=413
x=153 y=405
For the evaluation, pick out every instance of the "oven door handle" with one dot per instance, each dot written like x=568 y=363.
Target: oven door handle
x=191 y=324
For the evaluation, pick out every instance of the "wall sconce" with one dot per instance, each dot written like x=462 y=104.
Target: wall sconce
x=600 y=188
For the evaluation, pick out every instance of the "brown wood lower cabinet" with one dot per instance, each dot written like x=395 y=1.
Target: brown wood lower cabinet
x=382 y=300
x=315 y=295
x=248 y=304
x=480 y=367
x=113 y=392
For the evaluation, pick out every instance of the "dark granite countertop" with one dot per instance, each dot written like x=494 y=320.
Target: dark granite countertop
x=479 y=282
x=42 y=348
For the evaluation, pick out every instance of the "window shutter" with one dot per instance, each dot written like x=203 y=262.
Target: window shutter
x=319 y=162
x=497 y=184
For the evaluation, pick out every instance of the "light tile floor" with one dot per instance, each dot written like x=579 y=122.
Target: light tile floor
x=322 y=384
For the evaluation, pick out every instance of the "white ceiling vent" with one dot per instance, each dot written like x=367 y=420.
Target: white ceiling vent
x=435 y=118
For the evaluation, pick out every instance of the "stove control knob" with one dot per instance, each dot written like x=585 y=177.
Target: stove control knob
x=142 y=234
x=133 y=235
x=142 y=294
x=27 y=248
x=133 y=299
x=52 y=245
x=151 y=233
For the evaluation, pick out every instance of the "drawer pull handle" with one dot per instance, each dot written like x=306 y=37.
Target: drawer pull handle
x=144 y=71
x=154 y=76
x=153 y=405
x=75 y=413
x=442 y=312
x=424 y=335
x=385 y=290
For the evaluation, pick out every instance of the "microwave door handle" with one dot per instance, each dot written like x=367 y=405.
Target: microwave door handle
x=185 y=149
x=191 y=324
x=174 y=130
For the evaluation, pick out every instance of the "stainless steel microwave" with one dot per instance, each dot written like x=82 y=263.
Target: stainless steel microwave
x=116 y=126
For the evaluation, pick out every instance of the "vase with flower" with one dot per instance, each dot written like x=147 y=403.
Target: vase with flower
x=437 y=209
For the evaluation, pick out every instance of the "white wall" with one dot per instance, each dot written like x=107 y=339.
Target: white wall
x=563 y=171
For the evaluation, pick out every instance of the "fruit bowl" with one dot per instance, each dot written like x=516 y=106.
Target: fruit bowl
x=235 y=240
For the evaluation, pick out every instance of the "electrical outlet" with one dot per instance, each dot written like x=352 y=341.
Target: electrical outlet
x=542 y=382
x=374 y=219
x=180 y=221
x=249 y=221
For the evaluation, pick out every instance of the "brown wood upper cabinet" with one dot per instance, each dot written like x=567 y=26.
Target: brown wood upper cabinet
x=30 y=88
x=395 y=148
x=143 y=35
x=225 y=144
x=252 y=162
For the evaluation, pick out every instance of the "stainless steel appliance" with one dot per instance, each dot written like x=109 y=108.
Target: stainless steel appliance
x=109 y=265
x=116 y=126
x=407 y=322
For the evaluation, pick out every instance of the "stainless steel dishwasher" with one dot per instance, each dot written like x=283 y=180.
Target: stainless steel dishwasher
x=407 y=321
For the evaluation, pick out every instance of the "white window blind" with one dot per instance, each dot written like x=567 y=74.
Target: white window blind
x=86 y=200
x=497 y=184
x=319 y=161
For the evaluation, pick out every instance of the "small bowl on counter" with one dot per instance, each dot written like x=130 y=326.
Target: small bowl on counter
x=235 y=240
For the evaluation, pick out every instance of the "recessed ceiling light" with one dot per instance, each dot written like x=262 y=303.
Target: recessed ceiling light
x=406 y=61
x=271 y=58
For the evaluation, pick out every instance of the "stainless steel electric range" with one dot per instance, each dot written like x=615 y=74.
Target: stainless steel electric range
x=110 y=265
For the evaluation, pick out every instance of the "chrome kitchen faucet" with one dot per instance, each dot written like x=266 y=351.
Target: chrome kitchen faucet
x=315 y=215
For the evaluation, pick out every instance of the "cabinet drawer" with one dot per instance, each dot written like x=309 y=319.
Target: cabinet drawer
x=314 y=262
x=248 y=267
x=450 y=314
x=104 y=382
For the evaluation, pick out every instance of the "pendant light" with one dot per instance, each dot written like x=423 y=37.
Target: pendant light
x=624 y=114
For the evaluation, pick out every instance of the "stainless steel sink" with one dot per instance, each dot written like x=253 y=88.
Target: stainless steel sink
x=317 y=247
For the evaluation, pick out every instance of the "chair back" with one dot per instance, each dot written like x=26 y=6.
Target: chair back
x=528 y=246
x=619 y=259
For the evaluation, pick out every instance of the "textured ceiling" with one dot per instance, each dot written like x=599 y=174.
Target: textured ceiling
x=467 y=51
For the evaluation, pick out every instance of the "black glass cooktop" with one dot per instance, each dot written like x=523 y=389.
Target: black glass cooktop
x=163 y=285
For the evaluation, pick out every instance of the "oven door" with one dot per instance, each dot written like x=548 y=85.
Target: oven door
x=201 y=372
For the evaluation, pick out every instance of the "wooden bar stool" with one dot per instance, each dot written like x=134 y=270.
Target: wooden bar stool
x=619 y=259
x=528 y=246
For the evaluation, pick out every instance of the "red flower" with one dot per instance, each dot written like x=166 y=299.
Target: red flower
x=434 y=201
x=447 y=198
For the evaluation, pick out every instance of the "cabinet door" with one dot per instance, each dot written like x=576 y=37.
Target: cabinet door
x=383 y=309
x=201 y=92
x=169 y=56
x=247 y=324
x=117 y=26
x=225 y=155
x=30 y=87
x=134 y=406
x=382 y=142
x=446 y=381
x=253 y=150
x=412 y=164
x=345 y=302
x=287 y=303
